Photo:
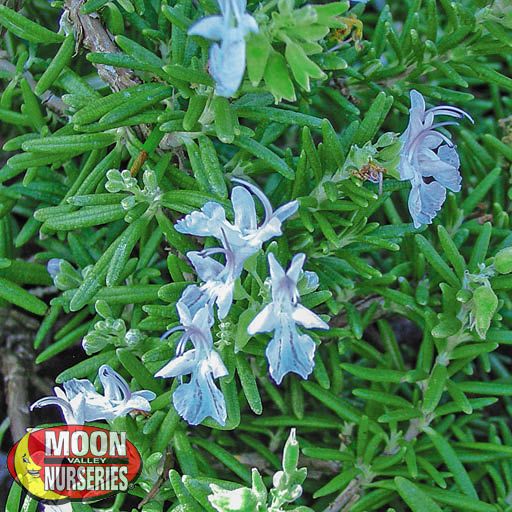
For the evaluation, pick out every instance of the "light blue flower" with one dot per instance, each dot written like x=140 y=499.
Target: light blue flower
x=428 y=159
x=81 y=403
x=199 y=398
x=289 y=350
x=121 y=400
x=72 y=400
x=227 y=57
x=240 y=240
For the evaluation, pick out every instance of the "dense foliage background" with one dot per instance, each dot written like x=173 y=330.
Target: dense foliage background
x=410 y=401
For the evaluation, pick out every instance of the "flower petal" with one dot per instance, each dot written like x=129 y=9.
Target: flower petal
x=244 y=208
x=444 y=173
x=267 y=231
x=307 y=318
x=69 y=415
x=290 y=352
x=264 y=321
x=248 y=24
x=136 y=403
x=194 y=298
x=276 y=271
x=227 y=63
x=405 y=168
x=417 y=102
x=259 y=194
x=207 y=222
x=425 y=201
x=76 y=387
x=85 y=401
x=225 y=7
x=287 y=210
x=145 y=394
x=450 y=178
x=295 y=268
x=114 y=386
x=184 y=313
x=200 y=399
x=216 y=365
x=238 y=7
x=414 y=204
x=206 y=268
x=102 y=411
x=223 y=298
x=211 y=27
x=182 y=365
x=203 y=320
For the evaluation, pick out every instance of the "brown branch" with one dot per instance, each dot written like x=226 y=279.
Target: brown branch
x=167 y=466
x=346 y=497
x=94 y=36
x=138 y=162
x=16 y=366
x=16 y=385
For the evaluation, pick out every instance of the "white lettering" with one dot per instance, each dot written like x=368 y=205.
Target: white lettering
x=60 y=447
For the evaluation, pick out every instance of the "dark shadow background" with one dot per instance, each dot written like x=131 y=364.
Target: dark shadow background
x=22 y=383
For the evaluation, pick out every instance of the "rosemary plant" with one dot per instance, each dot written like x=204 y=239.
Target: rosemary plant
x=238 y=230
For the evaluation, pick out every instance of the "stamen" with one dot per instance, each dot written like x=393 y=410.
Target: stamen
x=52 y=400
x=166 y=334
x=448 y=110
x=213 y=250
x=180 y=347
x=235 y=9
x=121 y=384
x=444 y=123
x=230 y=257
x=260 y=195
x=431 y=131
x=224 y=7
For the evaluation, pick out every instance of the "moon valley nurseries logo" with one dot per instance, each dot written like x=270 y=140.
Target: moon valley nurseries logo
x=74 y=463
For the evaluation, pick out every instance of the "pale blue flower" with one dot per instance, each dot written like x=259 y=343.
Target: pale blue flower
x=428 y=159
x=81 y=403
x=199 y=398
x=73 y=401
x=121 y=400
x=289 y=350
x=227 y=57
x=239 y=239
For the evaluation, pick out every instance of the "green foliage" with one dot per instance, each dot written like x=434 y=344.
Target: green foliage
x=287 y=487
x=301 y=31
x=108 y=142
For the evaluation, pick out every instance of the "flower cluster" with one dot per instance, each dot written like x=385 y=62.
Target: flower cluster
x=428 y=159
x=289 y=351
x=240 y=240
x=81 y=403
